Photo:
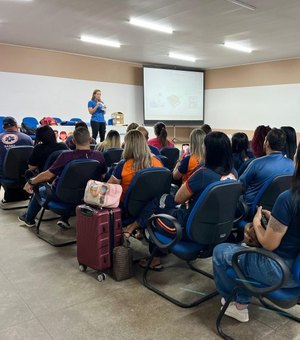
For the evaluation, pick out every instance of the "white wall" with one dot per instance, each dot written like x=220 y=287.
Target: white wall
x=39 y=96
x=248 y=107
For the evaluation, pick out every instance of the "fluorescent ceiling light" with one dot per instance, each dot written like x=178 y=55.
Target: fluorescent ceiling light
x=150 y=25
x=243 y=4
x=182 y=57
x=237 y=47
x=93 y=40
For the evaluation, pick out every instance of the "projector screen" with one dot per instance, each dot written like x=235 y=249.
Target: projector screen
x=173 y=96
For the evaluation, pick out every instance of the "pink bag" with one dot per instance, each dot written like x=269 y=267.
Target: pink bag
x=104 y=195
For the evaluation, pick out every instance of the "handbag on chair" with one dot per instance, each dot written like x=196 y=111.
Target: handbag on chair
x=104 y=195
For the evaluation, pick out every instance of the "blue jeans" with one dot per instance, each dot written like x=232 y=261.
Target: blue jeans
x=254 y=266
x=34 y=206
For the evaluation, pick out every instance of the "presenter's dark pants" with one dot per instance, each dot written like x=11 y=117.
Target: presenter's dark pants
x=98 y=127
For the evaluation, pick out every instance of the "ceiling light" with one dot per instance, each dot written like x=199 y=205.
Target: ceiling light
x=237 y=47
x=93 y=40
x=182 y=57
x=243 y=4
x=151 y=26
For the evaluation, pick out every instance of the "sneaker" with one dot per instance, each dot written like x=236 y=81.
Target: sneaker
x=29 y=224
x=241 y=315
x=63 y=224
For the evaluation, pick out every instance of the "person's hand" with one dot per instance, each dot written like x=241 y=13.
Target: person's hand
x=257 y=217
x=28 y=188
x=267 y=214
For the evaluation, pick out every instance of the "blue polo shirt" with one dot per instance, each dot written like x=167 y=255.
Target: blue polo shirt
x=263 y=169
x=98 y=116
x=285 y=213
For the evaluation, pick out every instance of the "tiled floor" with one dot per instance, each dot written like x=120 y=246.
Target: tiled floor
x=44 y=296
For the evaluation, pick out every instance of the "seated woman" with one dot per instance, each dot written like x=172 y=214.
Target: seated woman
x=218 y=166
x=161 y=140
x=188 y=164
x=291 y=141
x=241 y=154
x=45 y=144
x=258 y=139
x=112 y=140
x=136 y=156
x=282 y=235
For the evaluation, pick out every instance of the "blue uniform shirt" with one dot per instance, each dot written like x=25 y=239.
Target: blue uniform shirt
x=285 y=213
x=262 y=169
x=98 y=116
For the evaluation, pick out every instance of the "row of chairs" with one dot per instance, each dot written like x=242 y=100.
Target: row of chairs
x=210 y=222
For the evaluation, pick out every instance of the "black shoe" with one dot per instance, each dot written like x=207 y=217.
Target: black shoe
x=29 y=224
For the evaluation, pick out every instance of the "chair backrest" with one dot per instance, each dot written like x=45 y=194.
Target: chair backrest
x=16 y=161
x=296 y=269
x=75 y=120
x=52 y=158
x=268 y=194
x=146 y=185
x=1 y=124
x=31 y=122
x=74 y=177
x=58 y=120
x=112 y=156
x=211 y=219
x=154 y=150
x=172 y=154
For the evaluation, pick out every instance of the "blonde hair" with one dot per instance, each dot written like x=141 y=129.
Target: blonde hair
x=197 y=143
x=136 y=148
x=112 y=140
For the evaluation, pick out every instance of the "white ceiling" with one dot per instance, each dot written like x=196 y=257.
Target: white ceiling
x=200 y=27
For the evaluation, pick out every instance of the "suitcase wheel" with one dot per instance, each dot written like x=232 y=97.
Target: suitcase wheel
x=82 y=267
x=101 y=277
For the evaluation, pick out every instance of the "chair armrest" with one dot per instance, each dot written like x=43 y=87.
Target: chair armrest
x=174 y=229
x=251 y=285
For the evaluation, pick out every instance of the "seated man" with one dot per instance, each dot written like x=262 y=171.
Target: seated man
x=69 y=141
x=9 y=139
x=82 y=142
x=264 y=168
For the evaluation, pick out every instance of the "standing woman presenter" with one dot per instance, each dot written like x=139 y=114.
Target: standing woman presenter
x=97 y=109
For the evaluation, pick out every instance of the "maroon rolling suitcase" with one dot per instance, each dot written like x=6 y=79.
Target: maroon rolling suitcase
x=99 y=230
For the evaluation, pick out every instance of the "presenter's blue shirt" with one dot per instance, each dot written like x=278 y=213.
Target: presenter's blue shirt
x=98 y=116
x=286 y=213
x=263 y=169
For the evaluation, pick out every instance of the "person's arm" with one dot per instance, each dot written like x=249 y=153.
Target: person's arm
x=181 y=167
x=114 y=180
x=44 y=176
x=271 y=237
x=248 y=175
x=92 y=110
x=183 y=194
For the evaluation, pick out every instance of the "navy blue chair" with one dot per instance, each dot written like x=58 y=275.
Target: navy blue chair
x=75 y=120
x=15 y=165
x=52 y=158
x=209 y=223
x=146 y=185
x=282 y=297
x=154 y=150
x=172 y=155
x=1 y=124
x=30 y=123
x=58 y=120
x=112 y=156
x=68 y=193
x=267 y=196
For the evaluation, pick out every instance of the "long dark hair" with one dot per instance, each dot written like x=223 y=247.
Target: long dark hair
x=161 y=133
x=257 y=143
x=218 y=154
x=291 y=141
x=45 y=134
x=240 y=144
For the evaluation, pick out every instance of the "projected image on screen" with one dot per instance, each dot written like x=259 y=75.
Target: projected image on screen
x=173 y=96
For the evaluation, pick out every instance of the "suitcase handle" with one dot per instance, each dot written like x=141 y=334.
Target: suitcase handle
x=87 y=211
